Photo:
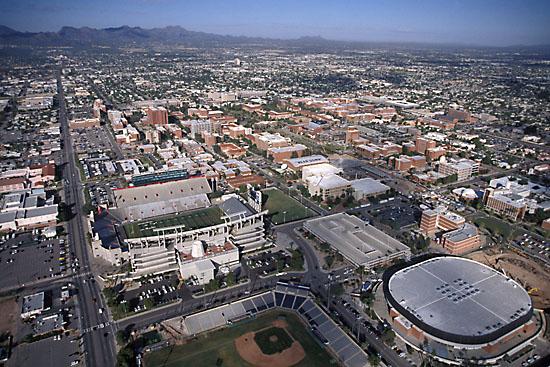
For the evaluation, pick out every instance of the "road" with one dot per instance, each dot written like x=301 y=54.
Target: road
x=99 y=343
x=314 y=276
x=318 y=280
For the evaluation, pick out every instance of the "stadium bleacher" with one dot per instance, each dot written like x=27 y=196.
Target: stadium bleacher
x=289 y=297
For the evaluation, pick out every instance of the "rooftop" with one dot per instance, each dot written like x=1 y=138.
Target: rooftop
x=467 y=231
x=457 y=296
x=358 y=241
x=369 y=186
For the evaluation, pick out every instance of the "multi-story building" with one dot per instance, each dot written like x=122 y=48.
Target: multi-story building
x=505 y=203
x=232 y=150
x=266 y=140
x=405 y=163
x=461 y=240
x=435 y=153
x=422 y=144
x=296 y=164
x=84 y=123
x=329 y=186
x=463 y=168
x=352 y=134
x=439 y=219
x=281 y=154
x=157 y=116
x=198 y=126
x=153 y=136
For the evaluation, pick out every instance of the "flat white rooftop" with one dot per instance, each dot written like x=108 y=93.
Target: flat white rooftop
x=359 y=242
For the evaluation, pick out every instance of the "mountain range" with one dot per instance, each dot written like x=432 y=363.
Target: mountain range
x=127 y=36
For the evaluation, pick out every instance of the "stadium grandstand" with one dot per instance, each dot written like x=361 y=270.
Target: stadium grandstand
x=142 y=202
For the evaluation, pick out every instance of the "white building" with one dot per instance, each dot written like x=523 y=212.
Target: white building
x=463 y=168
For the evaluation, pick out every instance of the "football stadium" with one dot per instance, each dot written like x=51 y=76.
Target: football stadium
x=447 y=305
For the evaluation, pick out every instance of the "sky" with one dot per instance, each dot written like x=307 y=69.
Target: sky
x=472 y=22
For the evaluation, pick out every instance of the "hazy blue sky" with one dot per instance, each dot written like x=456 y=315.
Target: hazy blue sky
x=484 y=22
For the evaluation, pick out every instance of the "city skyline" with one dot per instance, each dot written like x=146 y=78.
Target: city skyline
x=488 y=23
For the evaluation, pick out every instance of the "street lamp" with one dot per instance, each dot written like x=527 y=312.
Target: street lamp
x=284 y=216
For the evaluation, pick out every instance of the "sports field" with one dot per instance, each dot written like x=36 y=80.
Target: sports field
x=218 y=348
x=278 y=203
x=191 y=220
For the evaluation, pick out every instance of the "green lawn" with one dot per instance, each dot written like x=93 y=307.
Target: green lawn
x=208 y=348
x=281 y=340
x=191 y=220
x=278 y=202
x=495 y=226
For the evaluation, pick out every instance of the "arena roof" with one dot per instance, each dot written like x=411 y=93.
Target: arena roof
x=458 y=300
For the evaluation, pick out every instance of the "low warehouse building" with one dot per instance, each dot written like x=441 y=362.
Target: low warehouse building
x=357 y=241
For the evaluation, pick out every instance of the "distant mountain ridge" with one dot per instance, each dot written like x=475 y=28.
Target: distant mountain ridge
x=126 y=35
x=176 y=35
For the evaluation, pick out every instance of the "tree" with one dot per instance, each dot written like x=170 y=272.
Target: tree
x=388 y=336
x=329 y=260
x=212 y=285
x=122 y=308
x=337 y=289
x=297 y=260
x=122 y=337
x=374 y=360
x=230 y=279
x=125 y=357
x=360 y=270
x=149 y=303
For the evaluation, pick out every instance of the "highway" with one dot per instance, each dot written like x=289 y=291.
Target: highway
x=99 y=343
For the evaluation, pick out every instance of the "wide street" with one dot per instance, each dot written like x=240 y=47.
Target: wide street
x=99 y=345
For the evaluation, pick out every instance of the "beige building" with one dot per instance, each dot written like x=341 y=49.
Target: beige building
x=463 y=168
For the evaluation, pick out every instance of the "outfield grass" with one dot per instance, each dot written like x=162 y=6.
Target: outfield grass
x=192 y=220
x=263 y=339
x=278 y=202
x=207 y=348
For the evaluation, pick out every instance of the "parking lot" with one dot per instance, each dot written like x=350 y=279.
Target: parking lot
x=159 y=290
x=397 y=216
x=101 y=194
x=48 y=353
x=267 y=263
x=91 y=140
x=27 y=258
x=534 y=246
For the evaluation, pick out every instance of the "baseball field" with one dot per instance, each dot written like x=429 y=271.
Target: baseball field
x=273 y=339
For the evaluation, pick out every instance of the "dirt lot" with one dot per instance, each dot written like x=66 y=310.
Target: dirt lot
x=10 y=310
x=251 y=352
x=526 y=271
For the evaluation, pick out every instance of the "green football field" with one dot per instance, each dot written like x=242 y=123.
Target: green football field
x=278 y=203
x=209 y=348
x=191 y=220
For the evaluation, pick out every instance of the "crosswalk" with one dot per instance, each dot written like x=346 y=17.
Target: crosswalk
x=96 y=327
